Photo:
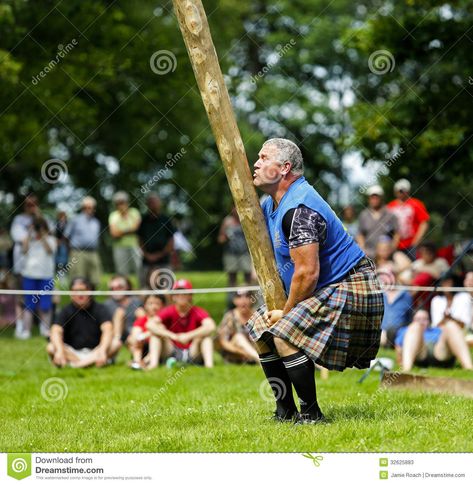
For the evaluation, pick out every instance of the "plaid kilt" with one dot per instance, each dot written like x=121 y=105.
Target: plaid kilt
x=338 y=327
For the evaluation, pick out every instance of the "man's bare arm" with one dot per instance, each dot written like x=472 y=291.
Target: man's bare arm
x=306 y=274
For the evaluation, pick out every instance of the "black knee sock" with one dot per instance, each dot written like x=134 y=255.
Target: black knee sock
x=301 y=371
x=280 y=383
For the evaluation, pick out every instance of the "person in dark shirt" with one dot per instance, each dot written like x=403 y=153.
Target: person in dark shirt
x=82 y=333
x=156 y=239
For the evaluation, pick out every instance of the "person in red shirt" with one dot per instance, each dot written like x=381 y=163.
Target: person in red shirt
x=183 y=331
x=139 y=340
x=412 y=218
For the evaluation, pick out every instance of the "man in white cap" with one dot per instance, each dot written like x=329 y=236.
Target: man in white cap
x=376 y=222
x=412 y=217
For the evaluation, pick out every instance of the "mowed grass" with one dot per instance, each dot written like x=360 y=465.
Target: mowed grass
x=224 y=409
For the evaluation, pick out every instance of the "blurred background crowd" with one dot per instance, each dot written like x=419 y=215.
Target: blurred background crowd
x=39 y=253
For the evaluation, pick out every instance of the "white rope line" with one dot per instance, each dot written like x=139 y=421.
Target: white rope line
x=200 y=291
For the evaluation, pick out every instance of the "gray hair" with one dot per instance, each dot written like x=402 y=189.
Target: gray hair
x=89 y=200
x=288 y=151
x=121 y=196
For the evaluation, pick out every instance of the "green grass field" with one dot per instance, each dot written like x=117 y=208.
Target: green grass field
x=222 y=409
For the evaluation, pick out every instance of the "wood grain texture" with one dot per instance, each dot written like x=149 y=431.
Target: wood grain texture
x=196 y=33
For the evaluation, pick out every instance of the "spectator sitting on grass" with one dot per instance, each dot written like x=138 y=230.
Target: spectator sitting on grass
x=428 y=263
x=139 y=341
x=124 y=309
x=387 y=258
x=397 y=308
x=427 y=346
x=468 y=283
x=184 y=331
x=233 y=340
x=425 y=271
x=82 y=333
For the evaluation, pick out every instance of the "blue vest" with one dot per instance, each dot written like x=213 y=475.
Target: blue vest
x=338 y=255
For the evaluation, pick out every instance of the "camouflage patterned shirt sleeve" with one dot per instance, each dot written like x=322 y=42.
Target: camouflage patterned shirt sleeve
x=303 y=226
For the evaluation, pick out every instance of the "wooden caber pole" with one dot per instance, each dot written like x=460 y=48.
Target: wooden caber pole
x=195 y=30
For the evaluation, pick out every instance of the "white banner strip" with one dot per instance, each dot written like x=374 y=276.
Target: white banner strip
x=238 y=468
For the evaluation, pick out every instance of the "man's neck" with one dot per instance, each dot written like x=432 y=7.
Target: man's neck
x=184 y=309
x=281 y=189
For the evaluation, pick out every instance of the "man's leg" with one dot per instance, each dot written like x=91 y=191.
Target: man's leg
x=95 y=268
x=242 y=342
x=159 y=348
x=203 y=347
x=50 y=350
x=77 y=267
x=69 y=354
x=28 y=318
x=301 y=371
x=413 y=346
x=136 y=261
x=452 y=341
x=135 y=346
x=279 y=381
x=118 y=259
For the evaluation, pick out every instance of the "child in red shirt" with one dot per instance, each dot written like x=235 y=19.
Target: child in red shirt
x=140 y=336
x=183 y=330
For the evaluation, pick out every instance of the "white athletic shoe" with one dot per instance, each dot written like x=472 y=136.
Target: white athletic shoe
x=19 y=328
x=43 y=329
x=25 y=335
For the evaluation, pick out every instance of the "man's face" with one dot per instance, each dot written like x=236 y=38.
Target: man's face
x=154 y=204
x=401 y=195
x=182 y=299
x=268 y=170
x=118 y=284
x=375 y=201
x=81 y=301
x=88 y=208
x=31 y=205
x=121 y=205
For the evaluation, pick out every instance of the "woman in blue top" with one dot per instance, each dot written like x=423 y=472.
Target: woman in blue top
x=334 y=306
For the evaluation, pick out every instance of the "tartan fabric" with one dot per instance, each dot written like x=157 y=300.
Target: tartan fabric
x=338 y=327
